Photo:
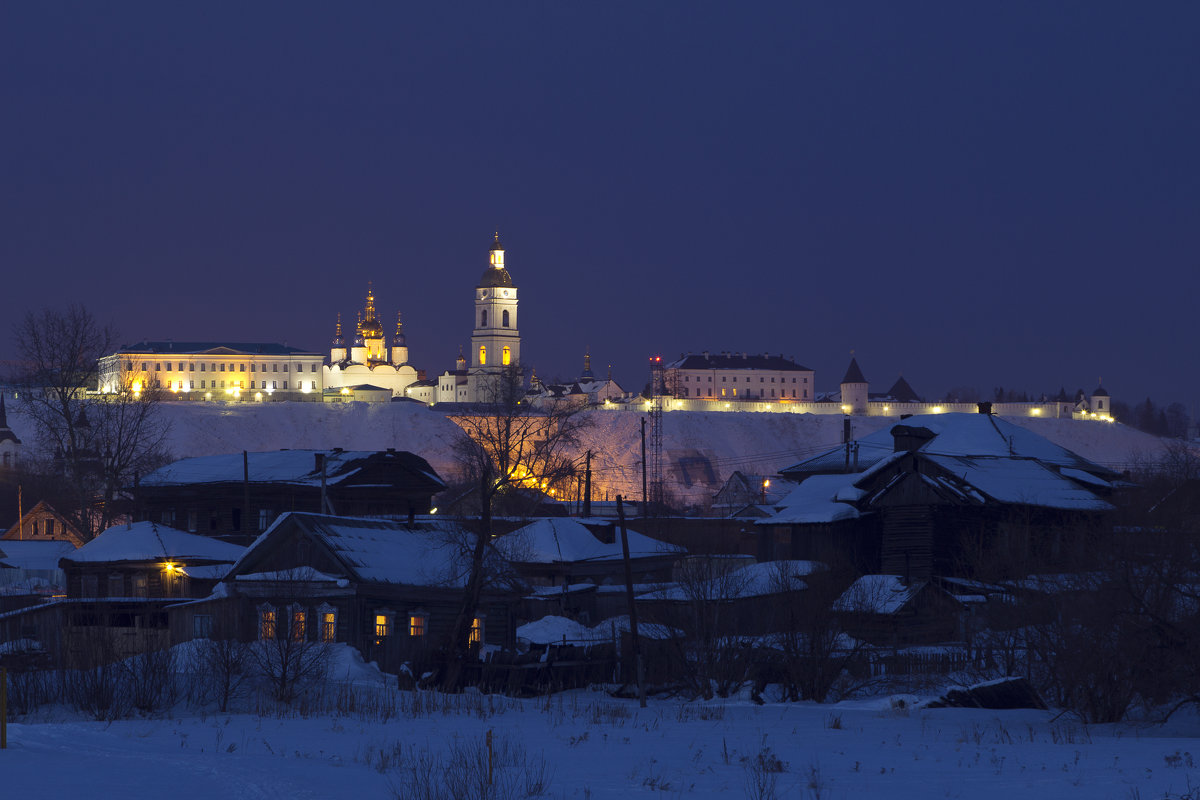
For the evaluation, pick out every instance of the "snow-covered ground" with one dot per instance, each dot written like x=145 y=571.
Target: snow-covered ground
x=592 y=746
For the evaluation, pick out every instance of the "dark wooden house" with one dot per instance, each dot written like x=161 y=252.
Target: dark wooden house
x=237 y=496
x=951 y=494
x=118 y=587
x=391 y=589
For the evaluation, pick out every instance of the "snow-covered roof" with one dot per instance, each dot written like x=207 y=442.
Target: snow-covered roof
x=820 y=498
x=877 y=594
x=297 y=467
x=425 y=553
x=1014 y=480
x=148 y=541
x=555 y=540
x=39 y=555
x=752 y=580
x=558 y=630
x=954 y=435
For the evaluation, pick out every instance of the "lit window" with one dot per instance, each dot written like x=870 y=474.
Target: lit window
x=476 y=636
x=417 y=624
x=299 y=624
x=506 y=357
x=383 y=626
x=328 y=623
x=266 y=623
x=482 y=355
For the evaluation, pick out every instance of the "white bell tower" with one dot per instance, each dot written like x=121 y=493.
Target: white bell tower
x=496 y=341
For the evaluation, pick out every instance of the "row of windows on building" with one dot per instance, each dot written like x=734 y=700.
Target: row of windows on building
x=221 y=367
x=505 y=356
x=207 y=384
x=173 y=583
x=734 y=379
x=168 y=515
x=762 y=393
x=297 y=616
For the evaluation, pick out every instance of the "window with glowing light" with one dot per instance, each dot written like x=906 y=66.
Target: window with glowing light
x=328 y=617
x=383 y=627
x=506 y=357
x=299 y=624
x=482 y=355
x=266 y=623
x=418 y=624
x=476 y=636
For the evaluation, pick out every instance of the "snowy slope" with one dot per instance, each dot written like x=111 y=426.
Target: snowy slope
x=700 y=449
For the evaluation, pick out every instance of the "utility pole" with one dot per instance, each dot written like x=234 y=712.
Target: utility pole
x=639 y=672
x=587 y=486
x=644 y=498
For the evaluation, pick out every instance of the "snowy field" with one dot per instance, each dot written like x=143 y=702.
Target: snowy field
x=370 y=741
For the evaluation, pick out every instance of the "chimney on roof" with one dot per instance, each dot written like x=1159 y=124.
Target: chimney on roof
x=909 y=438
x=985 y=407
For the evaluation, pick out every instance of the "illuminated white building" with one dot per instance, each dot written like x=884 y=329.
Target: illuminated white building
x=495 y=341
x=214 y=370
x=369 y=362
x=738 y=376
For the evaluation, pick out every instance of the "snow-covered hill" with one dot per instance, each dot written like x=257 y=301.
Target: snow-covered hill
x=700 y=449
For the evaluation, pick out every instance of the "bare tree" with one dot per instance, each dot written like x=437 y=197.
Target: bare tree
x=94 y=444
x=508 y=447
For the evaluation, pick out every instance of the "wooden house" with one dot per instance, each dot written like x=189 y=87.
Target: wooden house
x=392 y=589
x=237 y=496
x=43 y=523
x=118 y=587
x=949 y=494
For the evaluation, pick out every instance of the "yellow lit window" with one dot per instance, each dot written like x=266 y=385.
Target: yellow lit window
x=382 y=624
x=266 y=624
x=476 y=631
x=506 y=357
x=482 y=355
x=299 y=624
x=416 y=625
x=328 y=626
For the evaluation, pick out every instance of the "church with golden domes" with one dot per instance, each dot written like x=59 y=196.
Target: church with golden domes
x=369 y=366
x=371 y=370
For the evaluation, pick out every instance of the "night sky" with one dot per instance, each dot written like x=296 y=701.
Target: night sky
x=969 y=194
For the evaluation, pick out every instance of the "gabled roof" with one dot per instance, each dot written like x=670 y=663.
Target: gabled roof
x=424 y=553
x=549 y=541
x=953 y=435
x=736 y=361
x=819 y=499
x=147 y=541
x=878 y=594
x=213 y=348
x=296 y=467
x=853 y=373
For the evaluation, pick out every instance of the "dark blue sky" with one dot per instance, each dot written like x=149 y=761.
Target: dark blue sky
x=970 y=194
